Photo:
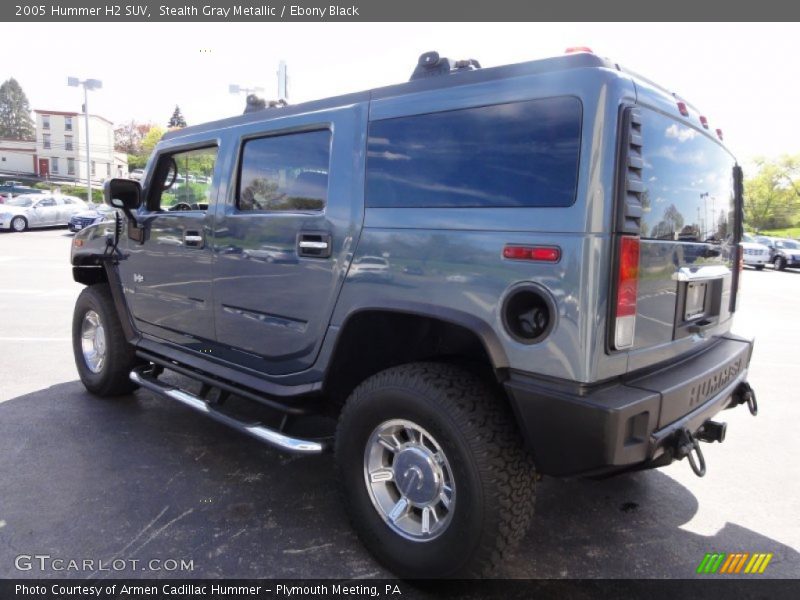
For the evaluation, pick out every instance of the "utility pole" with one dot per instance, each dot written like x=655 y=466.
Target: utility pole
x=283 y=82
x=88 y=84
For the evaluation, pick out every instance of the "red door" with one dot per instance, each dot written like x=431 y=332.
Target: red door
x=44 y=168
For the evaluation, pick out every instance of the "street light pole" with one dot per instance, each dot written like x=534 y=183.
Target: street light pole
x=88 y=84
x=89 y=198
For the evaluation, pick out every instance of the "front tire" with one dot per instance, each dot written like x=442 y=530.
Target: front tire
x=19 y=224
x=780 y=263
x=103 y=356
x=759 y=267
x=434 y=474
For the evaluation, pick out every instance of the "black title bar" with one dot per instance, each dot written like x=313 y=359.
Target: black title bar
x=397 y=10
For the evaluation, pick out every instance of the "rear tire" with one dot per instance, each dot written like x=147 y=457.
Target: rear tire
x=437 y=419
x=103 y=356
x=780 y=263
x=759 y=267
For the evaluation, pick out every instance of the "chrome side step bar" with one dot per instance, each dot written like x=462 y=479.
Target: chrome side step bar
x=256 y=430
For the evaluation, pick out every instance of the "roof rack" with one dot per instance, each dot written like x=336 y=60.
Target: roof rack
x=254 y=103
x=431 y=64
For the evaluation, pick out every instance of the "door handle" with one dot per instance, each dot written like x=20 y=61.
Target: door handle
x=192 y=239
x=314 y=244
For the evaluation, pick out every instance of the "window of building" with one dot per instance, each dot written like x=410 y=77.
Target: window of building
x=505 y=155
x=183 y=180
x=46 y=140
x=54 y=165
x=45 y=121
x=67 y=142
x=67 y=123
x=285 y=172
x=70 y=166
x=93 y=168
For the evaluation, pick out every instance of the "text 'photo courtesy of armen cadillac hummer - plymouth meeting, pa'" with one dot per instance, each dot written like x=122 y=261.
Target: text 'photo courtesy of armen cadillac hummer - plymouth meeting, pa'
x=466 y=277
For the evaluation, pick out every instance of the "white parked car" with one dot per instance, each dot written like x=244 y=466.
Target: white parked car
x=136 y=174
x=754 y=254
x=39 y=210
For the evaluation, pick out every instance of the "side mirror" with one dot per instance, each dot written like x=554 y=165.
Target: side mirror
x=124 y=194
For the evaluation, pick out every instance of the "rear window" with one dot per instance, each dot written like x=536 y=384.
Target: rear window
x=688 y=183
x=522 y=154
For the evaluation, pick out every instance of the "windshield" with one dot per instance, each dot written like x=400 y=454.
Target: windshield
x=787 y=244
x=688 y=182
x=20 y=202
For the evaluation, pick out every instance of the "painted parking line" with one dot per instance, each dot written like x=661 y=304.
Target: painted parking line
x=35 y=339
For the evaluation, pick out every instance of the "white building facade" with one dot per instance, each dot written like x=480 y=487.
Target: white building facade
x=60 y=151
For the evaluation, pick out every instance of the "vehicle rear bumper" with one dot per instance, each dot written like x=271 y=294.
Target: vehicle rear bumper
x=629 y=423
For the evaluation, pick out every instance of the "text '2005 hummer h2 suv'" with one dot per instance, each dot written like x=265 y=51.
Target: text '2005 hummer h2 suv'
x=477 y=276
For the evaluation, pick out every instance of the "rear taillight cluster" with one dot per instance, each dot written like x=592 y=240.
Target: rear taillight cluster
x=627 y=291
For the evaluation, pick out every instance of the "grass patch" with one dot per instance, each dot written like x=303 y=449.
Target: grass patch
x=789 y=232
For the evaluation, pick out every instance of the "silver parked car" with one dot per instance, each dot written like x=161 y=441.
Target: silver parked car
x=39 y=210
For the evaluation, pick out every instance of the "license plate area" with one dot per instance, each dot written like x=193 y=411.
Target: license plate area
x=695 y=300
x=698 y=306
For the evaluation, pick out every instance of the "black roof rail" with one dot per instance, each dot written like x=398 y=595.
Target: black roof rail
x=430 y=64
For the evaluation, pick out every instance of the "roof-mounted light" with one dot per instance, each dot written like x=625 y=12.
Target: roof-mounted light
x=577 y=49
x=684 y=110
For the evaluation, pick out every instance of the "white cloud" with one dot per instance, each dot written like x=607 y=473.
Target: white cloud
x=680 y=133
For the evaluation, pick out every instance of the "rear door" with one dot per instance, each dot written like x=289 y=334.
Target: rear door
x=684 y=181
x=285 y=235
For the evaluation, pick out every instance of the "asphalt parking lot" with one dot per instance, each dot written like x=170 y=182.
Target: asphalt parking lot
x=140 y=478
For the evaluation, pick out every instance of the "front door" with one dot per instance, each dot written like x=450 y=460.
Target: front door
x=167 y=277
x=44 y=168
x=45 y=212
x=284 y=236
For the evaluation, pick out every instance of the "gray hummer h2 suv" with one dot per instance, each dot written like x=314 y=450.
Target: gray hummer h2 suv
x=462 y=281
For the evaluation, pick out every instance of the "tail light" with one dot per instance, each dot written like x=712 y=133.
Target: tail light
x=627 y=290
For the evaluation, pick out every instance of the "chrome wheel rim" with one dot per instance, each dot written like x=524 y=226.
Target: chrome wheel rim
x=409 y=480
x=93 y=342
x=18 y=224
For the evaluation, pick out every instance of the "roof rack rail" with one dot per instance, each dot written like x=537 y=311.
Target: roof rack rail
x=430 y=64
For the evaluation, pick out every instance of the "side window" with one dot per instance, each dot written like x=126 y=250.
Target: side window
x=182 y=180
x=503 y=155
x=46 y=202
x=285 y=173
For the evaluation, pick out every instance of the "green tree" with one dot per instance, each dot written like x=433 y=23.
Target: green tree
x=151 y=139
x=15 y=112
x=177 y=120
x=770 y=197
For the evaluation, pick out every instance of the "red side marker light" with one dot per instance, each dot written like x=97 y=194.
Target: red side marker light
x=719 y=133
x=533 y=253
x=683 y=109
x=704 y=122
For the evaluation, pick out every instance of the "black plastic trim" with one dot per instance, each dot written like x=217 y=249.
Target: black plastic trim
x=570 y=433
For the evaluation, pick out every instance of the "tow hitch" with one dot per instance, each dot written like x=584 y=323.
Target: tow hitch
x=687 y=444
